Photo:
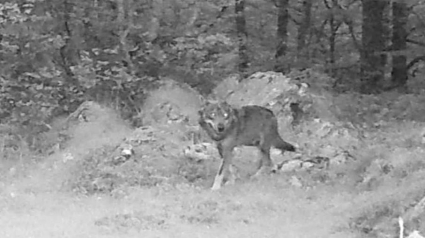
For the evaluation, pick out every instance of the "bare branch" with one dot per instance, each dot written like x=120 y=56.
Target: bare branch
x=415 y=61
x=416 y=42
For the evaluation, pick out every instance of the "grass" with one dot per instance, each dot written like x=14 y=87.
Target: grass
x=268 y=207
x=77 y=192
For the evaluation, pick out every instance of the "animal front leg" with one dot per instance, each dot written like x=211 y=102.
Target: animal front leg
x=223 y=168
x=218 y=180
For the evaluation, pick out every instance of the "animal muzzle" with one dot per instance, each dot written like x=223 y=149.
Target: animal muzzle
x=220 y=127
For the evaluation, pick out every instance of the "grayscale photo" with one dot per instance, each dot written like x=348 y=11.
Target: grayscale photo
x=206 y=119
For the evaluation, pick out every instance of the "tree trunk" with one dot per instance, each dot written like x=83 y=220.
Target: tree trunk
x=242 y=36
x=373 y=44
x=126 y=23
x=333 y=27
x=332 y=38
x=282 y=35
x=399 y=69
x=69 y=51
x=303 y=29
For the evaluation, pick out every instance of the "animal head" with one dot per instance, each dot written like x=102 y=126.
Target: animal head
x=217 y=118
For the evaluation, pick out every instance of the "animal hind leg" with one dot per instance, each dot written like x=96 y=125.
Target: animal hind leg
x=265 y=164
x=233 y=174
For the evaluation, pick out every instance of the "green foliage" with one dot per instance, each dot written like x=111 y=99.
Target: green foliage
x=31 y=87
x=204 y=53
x=98 y=172
x=57 y=54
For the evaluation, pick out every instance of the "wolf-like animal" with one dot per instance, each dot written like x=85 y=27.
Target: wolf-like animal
x=232 y=127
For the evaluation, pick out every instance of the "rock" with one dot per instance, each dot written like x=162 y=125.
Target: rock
x=172 y=102
x=200 y=152
x=293 y=100
x=269 y=89
x=296 y=182
x=287 y=166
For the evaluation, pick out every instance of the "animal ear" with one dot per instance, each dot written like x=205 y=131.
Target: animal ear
x=204 y=101
x=225 y=104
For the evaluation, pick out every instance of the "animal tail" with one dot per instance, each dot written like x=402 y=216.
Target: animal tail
x=282 y=145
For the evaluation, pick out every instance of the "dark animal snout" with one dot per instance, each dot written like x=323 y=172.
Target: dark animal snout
x=220 y=127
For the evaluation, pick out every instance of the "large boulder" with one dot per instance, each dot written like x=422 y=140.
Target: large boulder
x=291 y=98
x=171 y=102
